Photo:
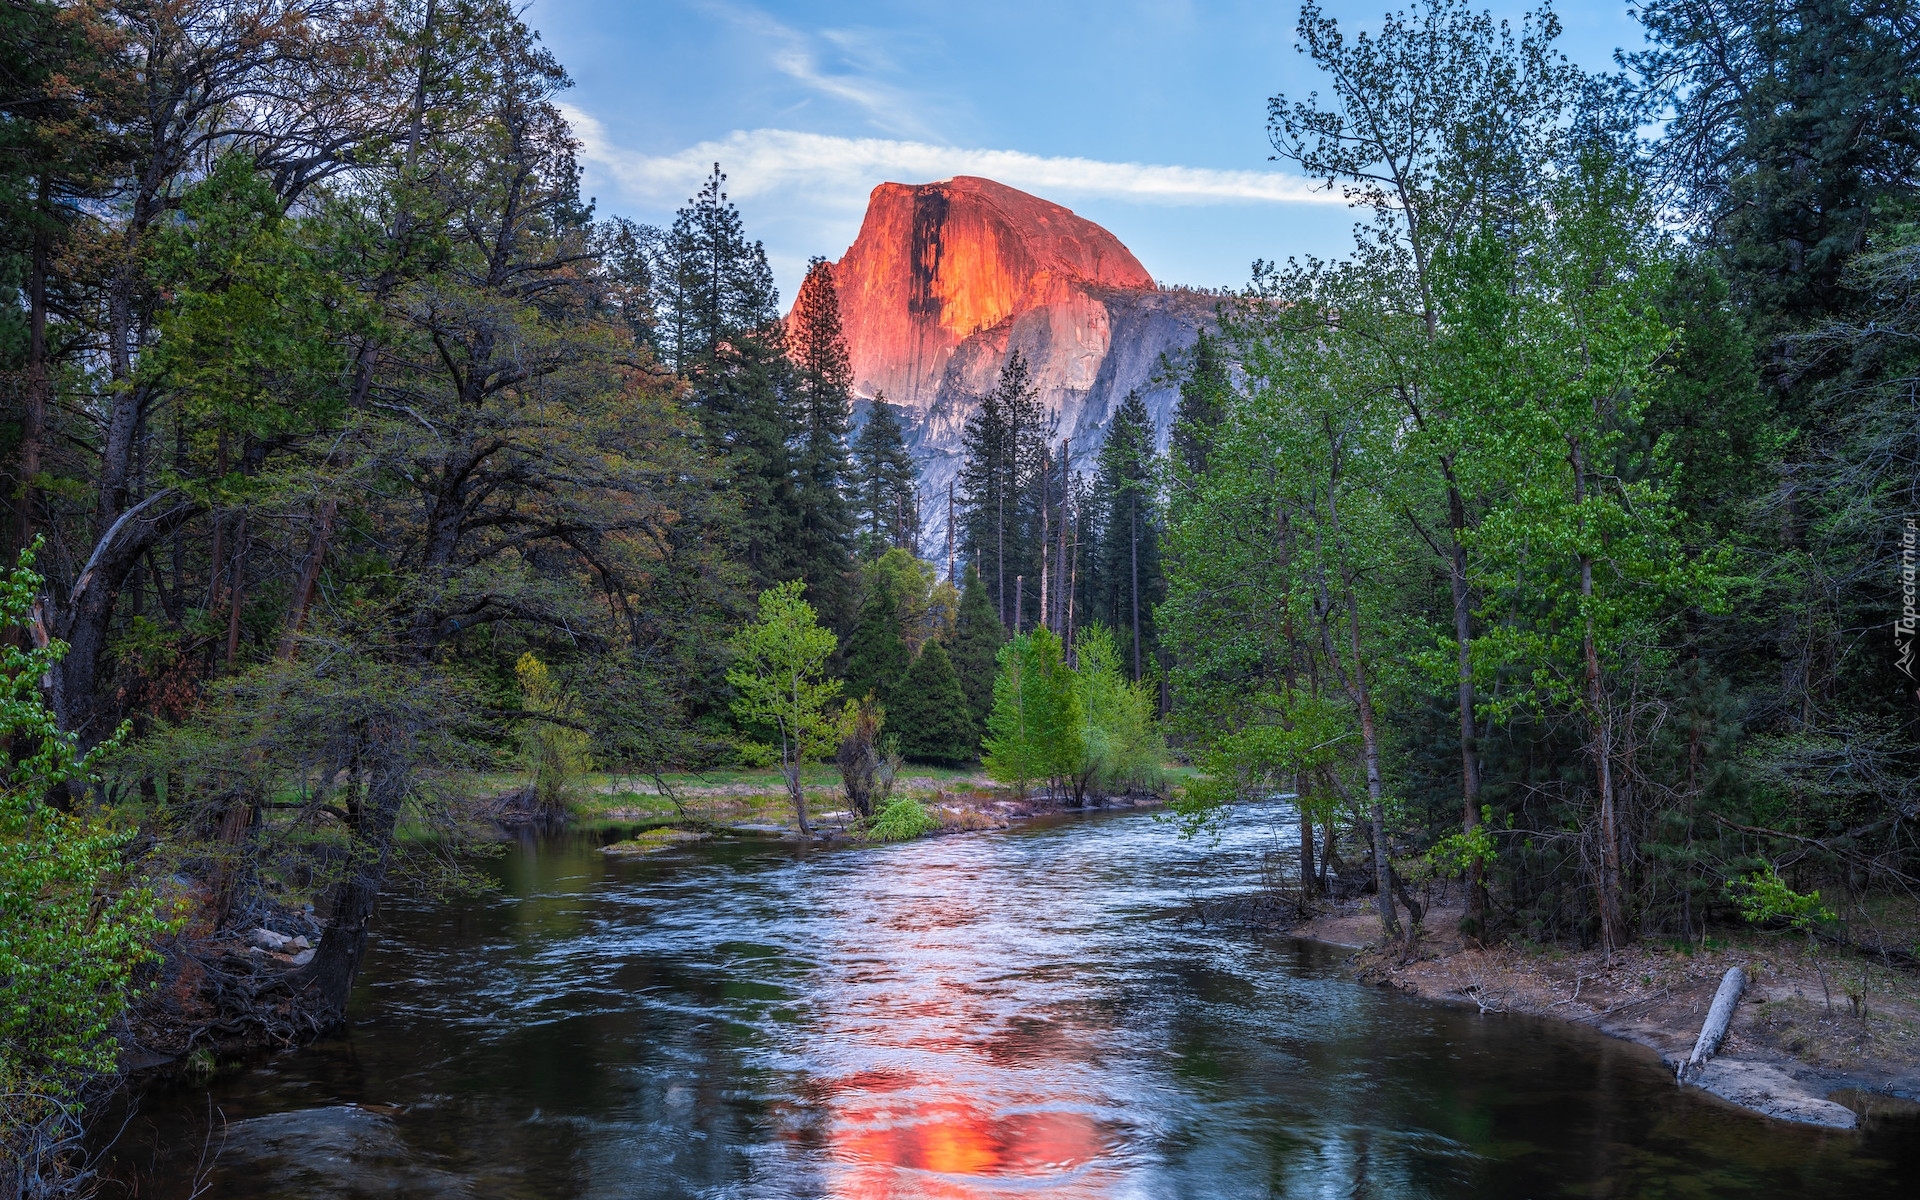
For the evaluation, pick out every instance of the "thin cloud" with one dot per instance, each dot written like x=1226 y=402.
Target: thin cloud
x=842 y=170
x=797 y=55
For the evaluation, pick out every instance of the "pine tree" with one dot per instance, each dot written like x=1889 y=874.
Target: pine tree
x=823 y=403
x=713 y=283
x=931 y=714
x=719 y=329
x=977 y=638
x=1205 y=390
x=1003 y=447
x=1126 y=578
x=876 y=657
x=886 y=486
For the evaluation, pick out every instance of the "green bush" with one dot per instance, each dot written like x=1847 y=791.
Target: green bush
x=902 y=821
x=72 y=931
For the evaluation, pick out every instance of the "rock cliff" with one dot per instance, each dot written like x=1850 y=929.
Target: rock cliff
x=946 y=279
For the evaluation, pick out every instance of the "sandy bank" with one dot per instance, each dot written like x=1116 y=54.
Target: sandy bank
x=1788 y=1056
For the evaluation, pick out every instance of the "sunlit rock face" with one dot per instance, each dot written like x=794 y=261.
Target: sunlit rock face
x=947 y=279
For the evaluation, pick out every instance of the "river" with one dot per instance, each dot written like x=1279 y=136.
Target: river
x=1030 y=1013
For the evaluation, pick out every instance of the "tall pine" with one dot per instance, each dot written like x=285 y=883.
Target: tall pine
x=877 y=658
x=718 y=327
x=823 y=403
x=977 y=638
x=1002 y=450
x=886 y=500
x=1126 y=580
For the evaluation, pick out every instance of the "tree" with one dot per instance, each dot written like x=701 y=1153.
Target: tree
x=858 y=755
x=1205 y=391
x=1473 y=113
x=1794 y=129
x=779 y=678
x=718 y=322
x=931 y=714
x=1126 y=582
x=73 y=927
x=886 y=486
x=877 y=660
x=1002 y=450
x=1124 y=748
x=977 y=638
x=1035 y=728
x=823 y=401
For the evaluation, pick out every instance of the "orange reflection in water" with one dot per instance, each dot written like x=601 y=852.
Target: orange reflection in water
x=896 y=1146
x=951 y=1082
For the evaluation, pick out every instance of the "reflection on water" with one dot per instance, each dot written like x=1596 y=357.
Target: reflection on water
x=993 y=1015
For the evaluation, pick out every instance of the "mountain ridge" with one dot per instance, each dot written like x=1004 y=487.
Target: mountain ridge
x=946 y=279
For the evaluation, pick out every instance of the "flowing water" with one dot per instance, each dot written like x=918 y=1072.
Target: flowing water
x=1035 y=1013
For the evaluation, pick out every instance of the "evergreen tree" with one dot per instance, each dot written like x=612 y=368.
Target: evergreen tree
x=713 y=283
x=823 y=403
x=1205 y=390
x=1002 y=448
x=877 y=659
x=1795 y=127
x=977 y=638
x=886 y=486
x=931 y=713
x=719 y=329
x=1126 y=581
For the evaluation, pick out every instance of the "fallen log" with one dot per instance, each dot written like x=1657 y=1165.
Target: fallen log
x=1719 y=1016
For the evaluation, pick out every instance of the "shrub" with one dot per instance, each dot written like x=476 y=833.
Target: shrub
x=902 y=821
x=72 y=932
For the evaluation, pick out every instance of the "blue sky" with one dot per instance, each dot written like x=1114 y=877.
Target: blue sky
x=1146 y=117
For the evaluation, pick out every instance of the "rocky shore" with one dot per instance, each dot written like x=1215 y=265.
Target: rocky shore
x=1820 y=1041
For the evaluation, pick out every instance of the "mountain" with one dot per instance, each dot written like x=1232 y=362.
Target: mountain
x=946 y=279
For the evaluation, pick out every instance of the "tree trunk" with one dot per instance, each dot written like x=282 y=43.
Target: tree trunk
x=239 y=592
x=337 y=960
x=1469 y=742
x=309 y=579
x=1046 y=528
x=33 y=424
x=795 y=793
x=1355 y=679
x=1306 y=841
x=1613 y=919
x=1133 y=538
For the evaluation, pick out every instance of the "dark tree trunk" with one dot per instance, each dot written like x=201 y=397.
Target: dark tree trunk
x=1133 y=539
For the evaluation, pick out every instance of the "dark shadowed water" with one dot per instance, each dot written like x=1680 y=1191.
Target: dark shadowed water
x=1018 y=1014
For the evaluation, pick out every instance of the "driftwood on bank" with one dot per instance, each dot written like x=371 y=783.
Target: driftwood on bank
x=1719 y=1016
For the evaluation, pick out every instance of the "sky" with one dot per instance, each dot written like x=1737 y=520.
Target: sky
x=1146 y=117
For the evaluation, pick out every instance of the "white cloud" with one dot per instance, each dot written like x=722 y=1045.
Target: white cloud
x=799 y=55
x=840 y=171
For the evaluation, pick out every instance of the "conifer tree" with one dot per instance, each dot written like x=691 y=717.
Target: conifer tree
x=931 y=714
x=886 y=486
x=1003 y=447
x=823 y=402
x=1205 y=390
x=877 y=659
x=1126 y=579
x=719 y=330
x=977 y=638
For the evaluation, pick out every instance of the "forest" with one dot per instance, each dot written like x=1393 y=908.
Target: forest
x=1558 y=540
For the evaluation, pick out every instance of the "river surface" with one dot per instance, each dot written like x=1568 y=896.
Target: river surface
x=1032 y=1013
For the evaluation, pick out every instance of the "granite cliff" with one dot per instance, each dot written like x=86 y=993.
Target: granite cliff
x=945 y=280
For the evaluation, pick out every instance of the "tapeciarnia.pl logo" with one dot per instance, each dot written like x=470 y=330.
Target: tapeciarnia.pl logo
x=1905 y=624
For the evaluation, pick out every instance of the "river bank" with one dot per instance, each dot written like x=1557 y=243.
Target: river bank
x=1817 y=1041
x=960 y=801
